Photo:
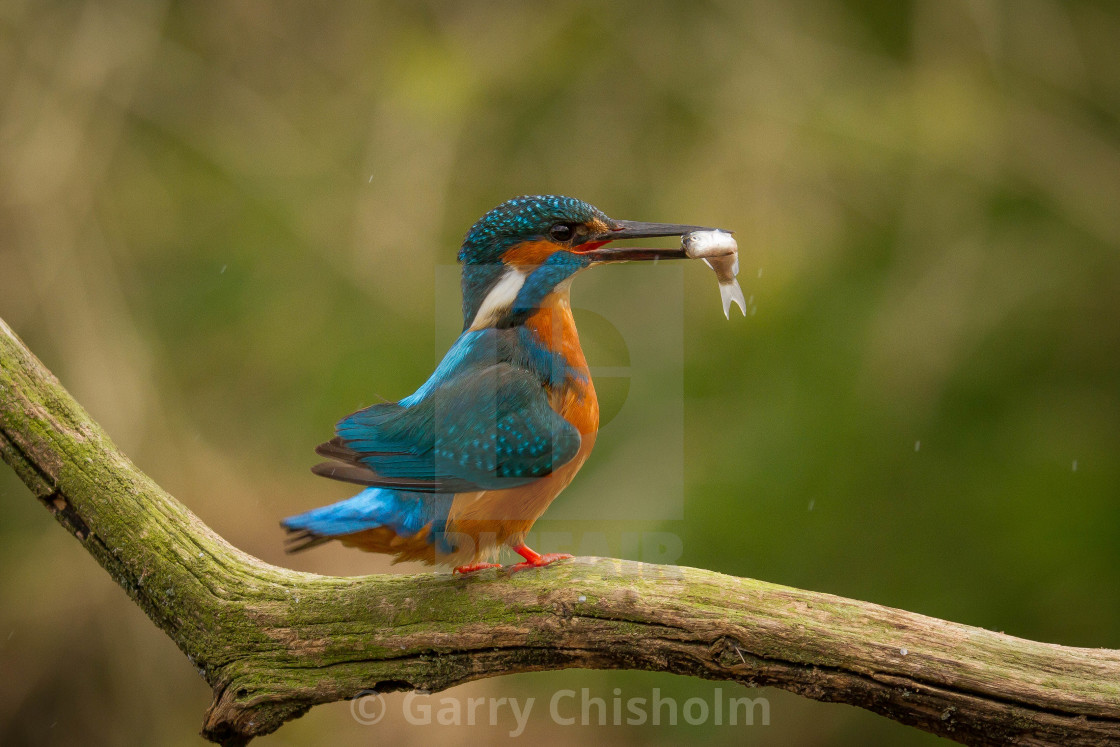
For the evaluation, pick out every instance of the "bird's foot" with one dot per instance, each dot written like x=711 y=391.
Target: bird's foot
x=475 y=567
x=540 y=562
x=534 y=559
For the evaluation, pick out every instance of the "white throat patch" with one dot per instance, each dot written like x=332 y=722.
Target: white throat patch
x=499 y=299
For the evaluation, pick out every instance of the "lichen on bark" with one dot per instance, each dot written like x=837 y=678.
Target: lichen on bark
x=273 y=642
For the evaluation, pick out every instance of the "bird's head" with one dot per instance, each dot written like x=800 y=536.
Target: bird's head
x=528 y=247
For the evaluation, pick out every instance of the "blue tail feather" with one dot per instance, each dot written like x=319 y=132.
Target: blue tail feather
x=405 y=512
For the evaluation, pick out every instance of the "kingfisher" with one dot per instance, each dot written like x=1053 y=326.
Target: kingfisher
x=467 y=463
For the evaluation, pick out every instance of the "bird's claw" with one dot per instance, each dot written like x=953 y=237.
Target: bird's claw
x=475 y=567
x=540 y=561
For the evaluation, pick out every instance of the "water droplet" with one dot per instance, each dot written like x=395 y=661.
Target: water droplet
x=582 y=598
x=1074 y=465
x=917 y=446
x=812 y=503
x=903 y=651
x=223 y=270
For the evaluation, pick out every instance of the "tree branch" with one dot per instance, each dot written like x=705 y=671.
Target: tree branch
x=273 y=642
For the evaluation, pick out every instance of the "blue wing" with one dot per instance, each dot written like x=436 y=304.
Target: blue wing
x=473 y=426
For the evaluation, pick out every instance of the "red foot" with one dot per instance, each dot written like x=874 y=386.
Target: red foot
x=534 y=559
x=476 y=567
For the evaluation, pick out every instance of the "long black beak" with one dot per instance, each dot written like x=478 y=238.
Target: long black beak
x=632 y=229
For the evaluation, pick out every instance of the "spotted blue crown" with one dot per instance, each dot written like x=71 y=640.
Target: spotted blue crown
x=521 y=219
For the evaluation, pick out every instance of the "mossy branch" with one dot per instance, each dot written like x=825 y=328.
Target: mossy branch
x=273 y=642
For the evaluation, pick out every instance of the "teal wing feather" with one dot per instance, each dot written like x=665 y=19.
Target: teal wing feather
x=482 y=428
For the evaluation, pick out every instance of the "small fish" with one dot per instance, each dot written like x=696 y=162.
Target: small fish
x=719 y=250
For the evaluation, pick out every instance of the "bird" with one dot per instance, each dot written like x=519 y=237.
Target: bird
x=467 y=463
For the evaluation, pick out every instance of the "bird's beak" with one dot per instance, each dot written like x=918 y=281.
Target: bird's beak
x=632 y=229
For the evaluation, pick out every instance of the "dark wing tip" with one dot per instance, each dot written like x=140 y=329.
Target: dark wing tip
x=341 y=471
x=336 y=449
x=362 y=475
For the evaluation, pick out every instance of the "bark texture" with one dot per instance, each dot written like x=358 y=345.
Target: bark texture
x=273 y=642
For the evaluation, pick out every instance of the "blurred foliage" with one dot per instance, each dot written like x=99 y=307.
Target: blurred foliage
x=220 y=224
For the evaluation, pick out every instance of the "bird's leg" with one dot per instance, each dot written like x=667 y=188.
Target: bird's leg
x=475 y=567
x=534 y=559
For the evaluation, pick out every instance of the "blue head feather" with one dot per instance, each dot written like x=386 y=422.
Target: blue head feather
x=521 y=219
x=556 y=269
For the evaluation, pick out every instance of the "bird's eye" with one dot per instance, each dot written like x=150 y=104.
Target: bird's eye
x=561 y=232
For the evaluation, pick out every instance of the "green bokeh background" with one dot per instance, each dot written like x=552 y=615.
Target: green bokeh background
x=222 y=224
